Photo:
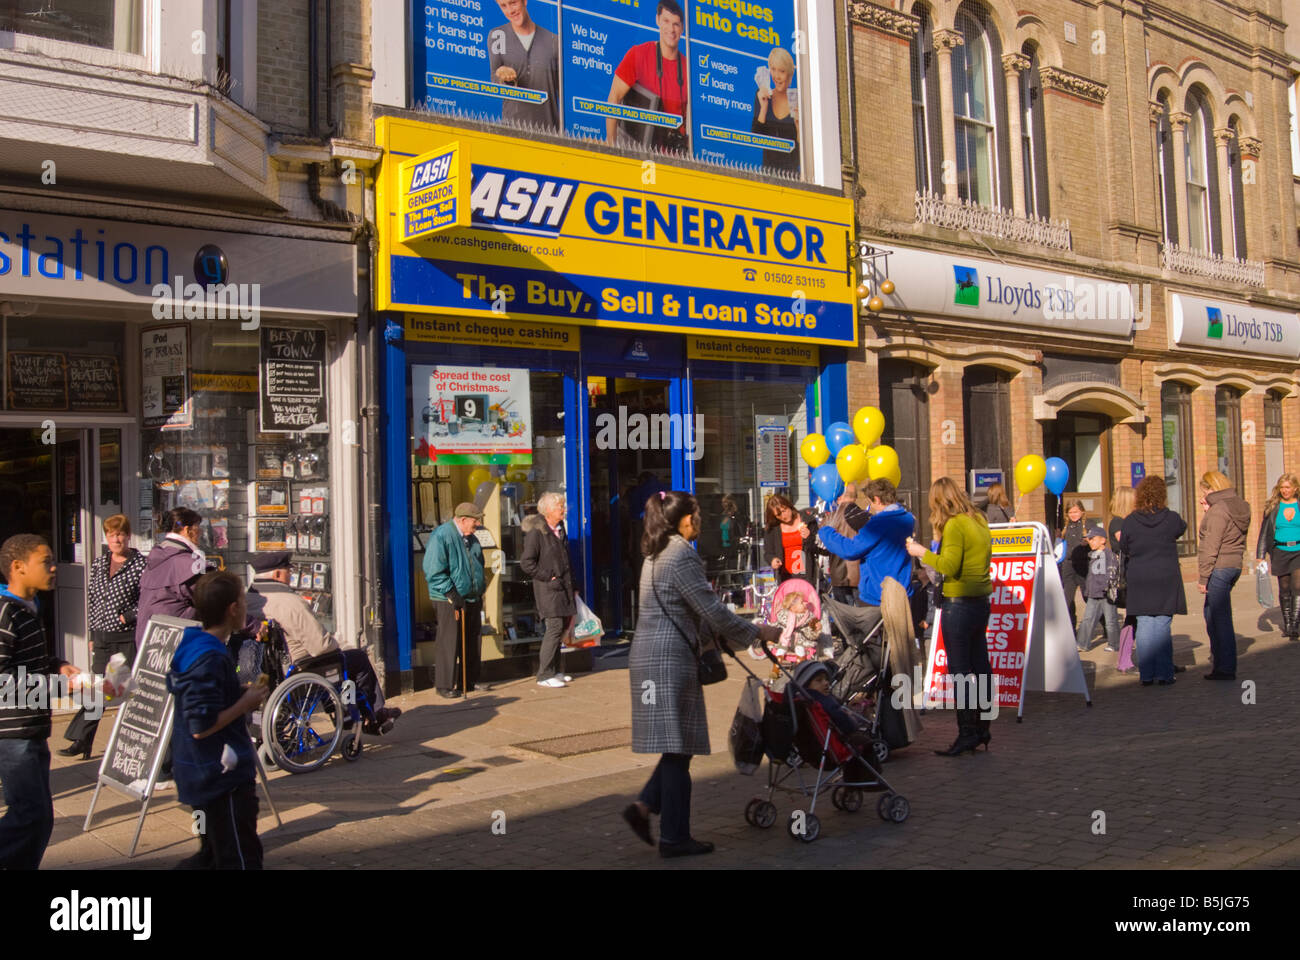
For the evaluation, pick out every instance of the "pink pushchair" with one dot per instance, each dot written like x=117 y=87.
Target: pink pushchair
x=797 y=610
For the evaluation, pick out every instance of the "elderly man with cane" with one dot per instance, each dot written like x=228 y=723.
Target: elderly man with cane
x=453 y=568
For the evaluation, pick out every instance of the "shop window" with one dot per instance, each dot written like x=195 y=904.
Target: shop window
x=986 y=413
x=1033 y=136
x=748 y=450
x=213 y=440
x=1227 y=433
x=904 y=401
x=493 y=435
x=1202 y=177
x=977 y=99
x=1273 y=450
x=1176 y=431
x=63 y=365
x=112 y=25
x=926 y=136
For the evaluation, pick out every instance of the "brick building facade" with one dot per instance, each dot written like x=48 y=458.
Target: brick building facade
x=1099 y=149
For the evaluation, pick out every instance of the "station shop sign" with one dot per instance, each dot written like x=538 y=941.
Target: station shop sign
x=165 y=268
x=560 y=234
x=996 y=294
x=1225 y=326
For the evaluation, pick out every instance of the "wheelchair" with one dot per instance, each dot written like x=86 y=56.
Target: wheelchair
x=313 y=709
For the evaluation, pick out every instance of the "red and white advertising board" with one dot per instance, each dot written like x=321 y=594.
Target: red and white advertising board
x=1029 y=642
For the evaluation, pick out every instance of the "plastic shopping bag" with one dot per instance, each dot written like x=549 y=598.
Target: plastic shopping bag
x=746 y=735
x=1264 y=586
x=587 y=629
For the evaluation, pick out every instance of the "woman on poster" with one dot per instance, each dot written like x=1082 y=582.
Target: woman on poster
x=776 y=110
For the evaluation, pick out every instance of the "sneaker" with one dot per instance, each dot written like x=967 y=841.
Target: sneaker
x=553 y=682
x=1111 y=648
x=565 y=677
x=164 y=785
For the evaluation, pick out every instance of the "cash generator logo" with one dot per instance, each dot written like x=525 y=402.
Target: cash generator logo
x=967 y=292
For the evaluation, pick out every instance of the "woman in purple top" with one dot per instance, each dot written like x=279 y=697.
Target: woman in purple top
x=171 y=569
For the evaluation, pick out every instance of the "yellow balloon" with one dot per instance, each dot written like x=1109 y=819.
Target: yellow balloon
x=1031 y=470
x=852 y=463
x=814 y=450
x=868 y=425
x=478 y=476
x=882 y=463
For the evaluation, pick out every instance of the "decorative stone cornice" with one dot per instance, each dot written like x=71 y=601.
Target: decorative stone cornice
x=1054 y=78
x=1250 y=147
x=1015 y=63
x=946 y=40
x=892 y=22
x=1157 y=110
x=1179 y=121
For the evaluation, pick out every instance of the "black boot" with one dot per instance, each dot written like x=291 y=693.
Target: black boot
x=1293 y=602
x=82 y=746
x=1284 y=605
x=982 y=728
x=968 y=737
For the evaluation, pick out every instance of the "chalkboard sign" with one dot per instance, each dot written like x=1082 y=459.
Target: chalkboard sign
x=144 y=720
x=38 y=380
x=94 y=382
x=292 y=379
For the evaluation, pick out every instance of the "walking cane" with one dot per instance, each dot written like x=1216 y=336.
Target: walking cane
x=464 y=666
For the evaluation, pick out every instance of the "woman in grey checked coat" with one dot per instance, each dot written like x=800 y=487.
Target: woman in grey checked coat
x=667 y=699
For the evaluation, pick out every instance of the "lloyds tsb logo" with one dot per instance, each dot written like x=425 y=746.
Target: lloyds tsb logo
x=655 y=431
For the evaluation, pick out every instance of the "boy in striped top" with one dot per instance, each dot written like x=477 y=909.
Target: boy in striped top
x=28 y=564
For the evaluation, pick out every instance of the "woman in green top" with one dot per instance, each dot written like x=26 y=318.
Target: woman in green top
x=965 y=549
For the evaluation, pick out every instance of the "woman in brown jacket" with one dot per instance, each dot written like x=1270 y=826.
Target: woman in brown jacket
x=1222 y=538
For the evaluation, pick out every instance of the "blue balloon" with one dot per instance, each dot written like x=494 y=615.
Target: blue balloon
x=826 y=482
x=838 y=436
x=1058 y=476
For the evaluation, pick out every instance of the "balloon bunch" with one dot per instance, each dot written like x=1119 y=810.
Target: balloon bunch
x=853 y=462
x=1032 y=472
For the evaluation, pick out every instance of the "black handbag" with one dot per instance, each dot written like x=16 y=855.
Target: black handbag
x=709 y=665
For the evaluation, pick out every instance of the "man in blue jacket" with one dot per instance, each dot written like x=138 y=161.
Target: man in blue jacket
x=212 y=754
x=881 y=548
x=453 y=568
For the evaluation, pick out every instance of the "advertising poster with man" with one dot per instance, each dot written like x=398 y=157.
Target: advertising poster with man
x=492 y=59
x=627 y=73
x=745 y=99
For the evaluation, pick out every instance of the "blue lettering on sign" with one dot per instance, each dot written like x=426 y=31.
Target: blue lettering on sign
x=430 y=172
x=83 y=257
x=519 y=202
x=1263 y=331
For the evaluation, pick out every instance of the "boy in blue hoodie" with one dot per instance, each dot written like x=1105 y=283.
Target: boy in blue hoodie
x=212 y=754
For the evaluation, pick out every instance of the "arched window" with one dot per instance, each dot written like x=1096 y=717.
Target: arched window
x=927 y=136
x=1032 y=136
x=975 y=92
x=1165 y=157
x=1202 y=178
x=1237 y=235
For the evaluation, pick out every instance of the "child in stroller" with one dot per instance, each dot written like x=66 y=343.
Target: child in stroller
x=796 y=609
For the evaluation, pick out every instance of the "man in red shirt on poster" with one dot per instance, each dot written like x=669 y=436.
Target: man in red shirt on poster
x=655 y=74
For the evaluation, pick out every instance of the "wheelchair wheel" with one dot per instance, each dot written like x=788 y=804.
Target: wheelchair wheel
x=301 y=722
x=350 y=747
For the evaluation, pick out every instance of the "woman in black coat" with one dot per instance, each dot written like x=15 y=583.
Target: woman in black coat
x=790 y=543
x=546 y=560
x=1149 y=541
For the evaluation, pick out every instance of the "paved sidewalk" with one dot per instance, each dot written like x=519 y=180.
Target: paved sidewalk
x=1186 y=776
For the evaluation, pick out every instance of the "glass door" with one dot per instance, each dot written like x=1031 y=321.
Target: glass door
x=73 y=545
x=631 y=447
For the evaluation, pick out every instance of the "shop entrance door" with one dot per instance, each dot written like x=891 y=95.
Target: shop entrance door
x=47 y=489
x=905 y=402
x=1082 y=440
x=630 y=461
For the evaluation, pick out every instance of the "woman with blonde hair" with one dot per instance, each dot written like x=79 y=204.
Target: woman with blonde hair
x=1278 y=548
x=999 y=506
x=965 y=549
x=776 y=111
x=1222 y=539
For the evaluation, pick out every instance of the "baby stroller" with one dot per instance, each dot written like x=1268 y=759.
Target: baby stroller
x=313 y=707
x=798 y=735
x=800 y=647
